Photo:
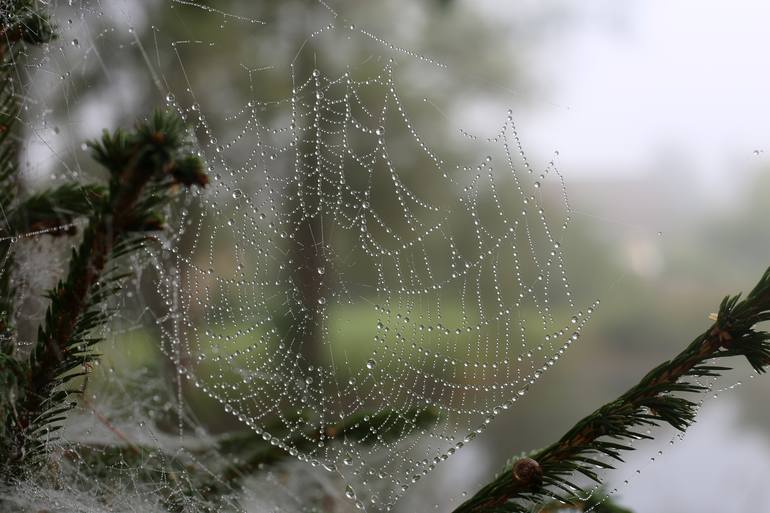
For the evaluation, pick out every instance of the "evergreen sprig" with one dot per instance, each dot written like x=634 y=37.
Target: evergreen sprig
x=55 y=208
x=657 y=399
x=144 y=167
x=20 y=24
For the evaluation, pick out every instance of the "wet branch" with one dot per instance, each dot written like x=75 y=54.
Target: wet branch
x=657 y=399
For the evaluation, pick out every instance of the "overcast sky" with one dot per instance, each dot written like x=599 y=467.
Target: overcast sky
x=632 y=83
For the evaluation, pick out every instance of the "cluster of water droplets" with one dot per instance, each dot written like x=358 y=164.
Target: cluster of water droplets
x=325 y=278
x=344 y=269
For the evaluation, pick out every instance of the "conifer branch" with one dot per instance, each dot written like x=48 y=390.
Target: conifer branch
x=144 y=165
x=56 y=207
x=20 y=24
x=657 y=399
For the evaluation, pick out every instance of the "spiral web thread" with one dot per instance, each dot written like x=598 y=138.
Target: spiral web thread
x=431 y=276
x=340 y=266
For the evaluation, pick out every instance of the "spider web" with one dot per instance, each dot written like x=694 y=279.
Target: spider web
x=355 y=257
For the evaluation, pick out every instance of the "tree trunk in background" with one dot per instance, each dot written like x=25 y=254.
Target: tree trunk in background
x=307 y=267
x=306 y=255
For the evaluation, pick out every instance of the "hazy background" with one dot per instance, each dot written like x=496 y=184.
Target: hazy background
x=659 y=113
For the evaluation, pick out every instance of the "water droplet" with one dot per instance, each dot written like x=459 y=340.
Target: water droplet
x=370 y=364
x=237 y=193
x=321 y=270
x=75 y=42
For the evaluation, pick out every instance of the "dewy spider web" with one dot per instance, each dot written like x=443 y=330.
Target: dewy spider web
x=313 y=238
x=343 y=263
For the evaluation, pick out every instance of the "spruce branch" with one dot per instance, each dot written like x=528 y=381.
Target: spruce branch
x=56 y=207
x=144 y=166
x=657 y=399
